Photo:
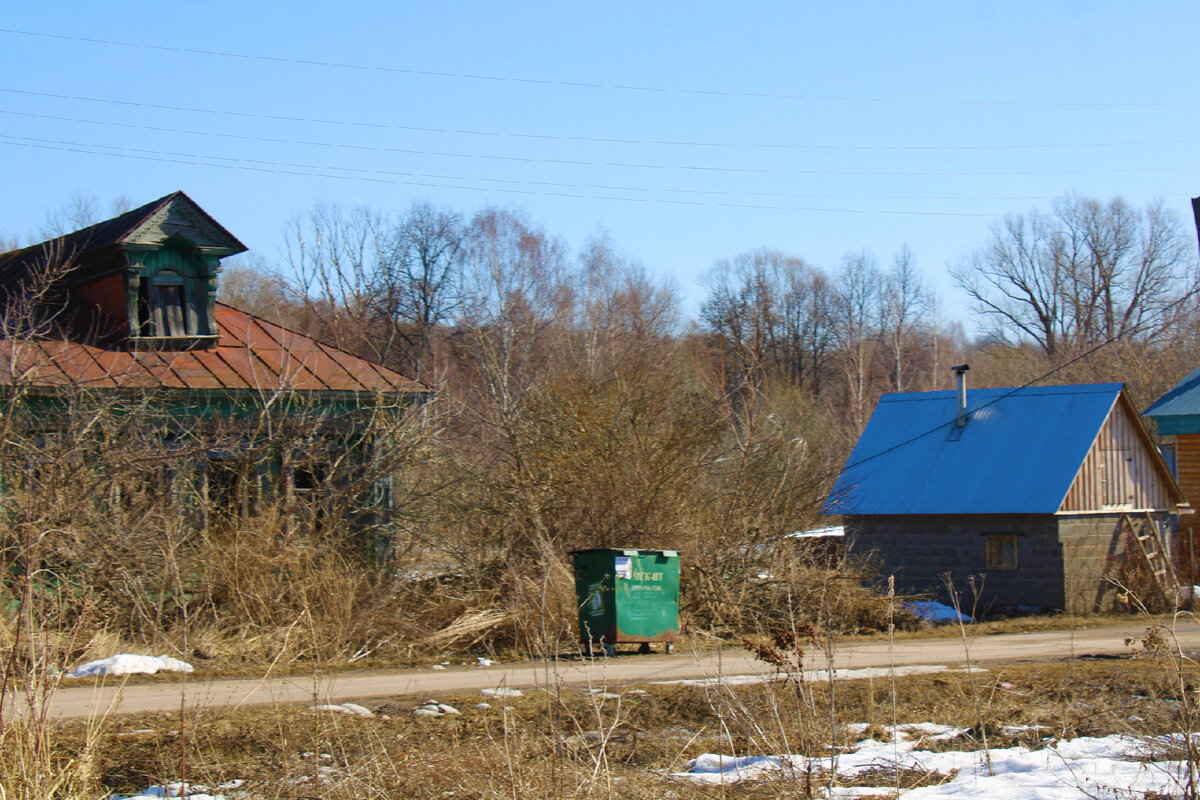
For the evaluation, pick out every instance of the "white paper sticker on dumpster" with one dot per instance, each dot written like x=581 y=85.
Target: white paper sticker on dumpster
x=624 y=566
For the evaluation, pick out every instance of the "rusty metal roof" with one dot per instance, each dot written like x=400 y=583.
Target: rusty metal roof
x=250 y=355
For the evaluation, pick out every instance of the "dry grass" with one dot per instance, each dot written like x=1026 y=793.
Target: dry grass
x=566 y=743
x=1033 y=623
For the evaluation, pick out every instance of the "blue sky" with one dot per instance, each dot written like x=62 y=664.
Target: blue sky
x=689 y=132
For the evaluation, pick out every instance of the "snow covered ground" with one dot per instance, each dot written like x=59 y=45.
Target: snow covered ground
x=1088 y=767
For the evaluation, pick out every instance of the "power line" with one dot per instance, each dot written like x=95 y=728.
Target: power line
x=308 y=62
x=568 y=162
x=371 y=175
x=629 y=165
x=596 y=139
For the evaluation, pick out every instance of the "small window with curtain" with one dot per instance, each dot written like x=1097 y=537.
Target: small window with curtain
x=1001 y=551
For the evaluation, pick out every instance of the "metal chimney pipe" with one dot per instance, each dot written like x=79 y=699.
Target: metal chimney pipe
x=960 y=372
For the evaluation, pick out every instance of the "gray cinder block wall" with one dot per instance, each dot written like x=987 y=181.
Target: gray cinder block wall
x=1062 y=561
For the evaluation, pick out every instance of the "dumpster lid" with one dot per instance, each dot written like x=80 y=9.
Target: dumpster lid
x=626 y=551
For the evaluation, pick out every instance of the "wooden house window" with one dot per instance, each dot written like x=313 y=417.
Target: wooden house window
x=1001 y=550
x=307 y=480
x=163 y=306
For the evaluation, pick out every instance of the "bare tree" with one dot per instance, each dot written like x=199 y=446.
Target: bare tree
x=1088 y=273
x=333 y=255
x=855 y=322
x=772 y=309
x=742 y=308
x=806 y=337
x=619 y=308
x=1129 y=268
x=514 y=291
x=81 y=210
x=905 y=302
x=379 y=287
x=1016 y=281
x=417 y=287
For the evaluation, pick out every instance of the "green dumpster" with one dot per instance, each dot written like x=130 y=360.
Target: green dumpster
x=627 y=596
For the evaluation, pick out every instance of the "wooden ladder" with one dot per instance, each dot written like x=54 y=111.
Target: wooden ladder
x=1145 y=532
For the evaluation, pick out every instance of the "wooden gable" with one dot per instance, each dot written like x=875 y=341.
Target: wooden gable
x=179 y=216
x=1123 y=470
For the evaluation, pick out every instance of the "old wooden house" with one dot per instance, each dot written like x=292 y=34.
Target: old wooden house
x=129 y=309
x=1177 y=414
x=1049 y=497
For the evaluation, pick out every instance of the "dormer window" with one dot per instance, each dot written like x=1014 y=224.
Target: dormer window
x=171 y=290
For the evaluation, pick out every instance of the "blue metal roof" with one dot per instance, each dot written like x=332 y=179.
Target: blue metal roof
x=1178 y=411
x=1018 y=453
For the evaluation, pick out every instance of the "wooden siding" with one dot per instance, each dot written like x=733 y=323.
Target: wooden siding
x=1187 y=460
x=1187 y=457
x=1122 y=471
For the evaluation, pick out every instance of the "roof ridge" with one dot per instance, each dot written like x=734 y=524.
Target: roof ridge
x=1059 y=388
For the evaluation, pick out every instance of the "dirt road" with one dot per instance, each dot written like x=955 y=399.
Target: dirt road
x=110 y=697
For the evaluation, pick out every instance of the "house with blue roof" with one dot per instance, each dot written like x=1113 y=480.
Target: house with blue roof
x=1052 y=497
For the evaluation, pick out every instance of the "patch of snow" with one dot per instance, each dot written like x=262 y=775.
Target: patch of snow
x=130 y=664
x=833 y=531
x=438 y=666
x=433 y=708
x=1086 y=767
x=354 y=709
x=191 y=791
x=501 y=691
x=324 y=775
x=934 y=612
x=725 y=680
x=482 y=706
x=934 y=731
